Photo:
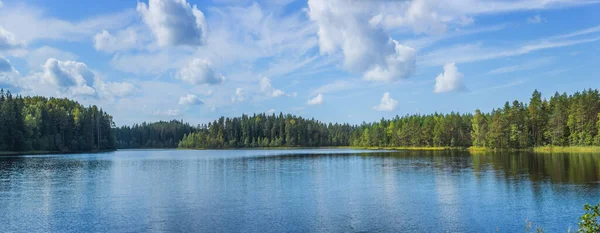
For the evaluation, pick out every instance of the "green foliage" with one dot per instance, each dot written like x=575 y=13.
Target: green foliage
x=435 y=130
x=261 y=130
x=161 y=134
x=588 y=223
x=52 y=124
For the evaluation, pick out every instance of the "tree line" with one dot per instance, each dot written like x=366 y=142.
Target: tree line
x=263 y=130
x=162 y=134
x=52 y=124
x=562 y=120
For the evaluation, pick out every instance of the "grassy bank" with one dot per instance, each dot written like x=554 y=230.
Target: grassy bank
x=567 y=149
x=435 y=148
x=336 y=147
x=542 y=149
x=14 y=153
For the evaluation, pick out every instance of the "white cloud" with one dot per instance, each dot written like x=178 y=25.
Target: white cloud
x=421 y=16
x=190 y=99
x=366 y=47
x=5 y=65
x=122 y=40
x=316 y=100
x=528 y=65
x=474 y=52
x=37 y=57
x=239 y=95
x=29 y=23
x=72 y=77
x=199 y=71
x=174 y=22
x=400 y=65
x=8 y=40
x=535 y=19
x=115 y=89
x=267 y=88
x=271 y=111
x=386 y=104
x=449 y=80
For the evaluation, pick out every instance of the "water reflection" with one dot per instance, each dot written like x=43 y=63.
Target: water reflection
x=571 y=168
x=300 y=191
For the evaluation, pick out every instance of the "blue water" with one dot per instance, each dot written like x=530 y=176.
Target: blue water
x=295 y=191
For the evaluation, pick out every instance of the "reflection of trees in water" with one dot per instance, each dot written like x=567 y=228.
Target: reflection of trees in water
x=573 y=168
x=46 y=170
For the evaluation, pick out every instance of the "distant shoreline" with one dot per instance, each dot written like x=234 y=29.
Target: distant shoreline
x=544 y=149
x=23 y=153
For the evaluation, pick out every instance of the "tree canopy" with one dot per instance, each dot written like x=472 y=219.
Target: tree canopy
x=52 y=124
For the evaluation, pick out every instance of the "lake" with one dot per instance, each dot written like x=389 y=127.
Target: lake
x=320 y=190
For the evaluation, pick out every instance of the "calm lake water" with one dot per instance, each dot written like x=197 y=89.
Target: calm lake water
x=295 y=191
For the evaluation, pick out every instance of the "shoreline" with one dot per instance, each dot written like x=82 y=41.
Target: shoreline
x=25 y=153
x=472 y=149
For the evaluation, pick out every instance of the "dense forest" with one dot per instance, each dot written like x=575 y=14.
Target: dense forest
x=262 y=130
x=58 y=125
x=563 y=120
x=434 y=130
x=160 y=134
x=53 y=124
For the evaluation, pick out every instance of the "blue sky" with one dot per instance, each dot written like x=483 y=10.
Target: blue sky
x=334 y=60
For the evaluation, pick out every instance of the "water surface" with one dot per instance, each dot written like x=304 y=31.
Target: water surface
x=295 y=191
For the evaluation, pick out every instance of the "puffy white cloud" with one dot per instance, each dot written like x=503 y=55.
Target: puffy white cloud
x=449 y=80
x=37 y=57
x=69 y=76
x=400 y=64
x=271 y=111
x=5 y=65
x=386 y=104
x=199 y=71
x=239 y=95
x=8 y=40
x=422 y=16
x=190 y=99
x=174 y=22
x=73 y=79
x=267 y=88
x=122 y=40
x=345 y=26
x=316 y=100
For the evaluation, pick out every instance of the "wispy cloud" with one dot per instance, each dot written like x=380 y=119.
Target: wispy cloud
x=466 y=53
x=528 y=65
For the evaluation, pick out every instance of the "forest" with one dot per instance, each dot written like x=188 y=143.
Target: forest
x=262 y=130
x=52 y=124
x=162 y=134
x=62 y=125
x=562 y=120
